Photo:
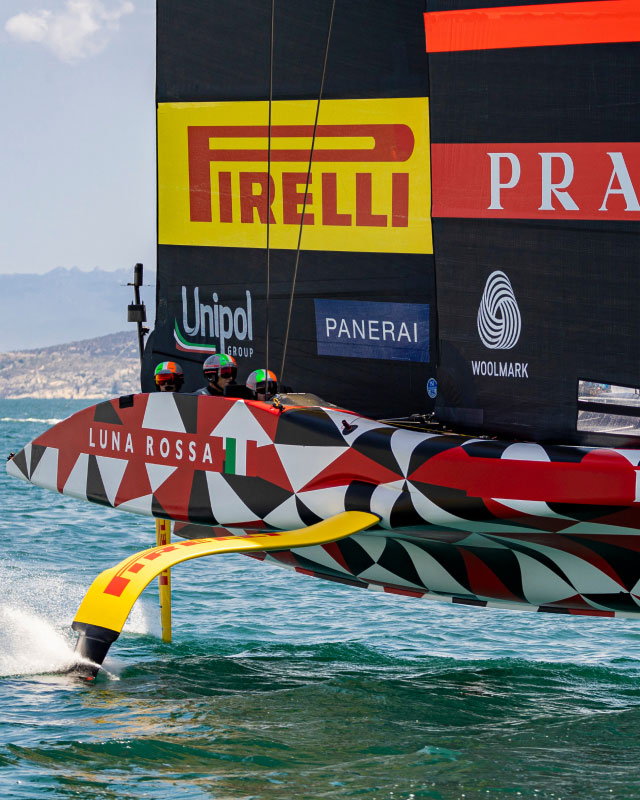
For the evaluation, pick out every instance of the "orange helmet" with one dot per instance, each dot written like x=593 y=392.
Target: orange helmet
x=169 y=373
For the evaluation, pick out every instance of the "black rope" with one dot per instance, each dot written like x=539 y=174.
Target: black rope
x=306 y=192
x=268 y=292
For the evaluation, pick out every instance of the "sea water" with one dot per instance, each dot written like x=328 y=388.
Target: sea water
x=278 y=685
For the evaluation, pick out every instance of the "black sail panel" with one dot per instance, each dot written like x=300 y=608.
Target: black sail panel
x=509 y=149
x=536 y=180
x=363 y=324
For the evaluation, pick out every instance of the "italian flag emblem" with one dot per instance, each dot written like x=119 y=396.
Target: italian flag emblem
x=235 y=456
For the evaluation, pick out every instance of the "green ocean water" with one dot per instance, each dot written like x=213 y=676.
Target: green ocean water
x=278 y=685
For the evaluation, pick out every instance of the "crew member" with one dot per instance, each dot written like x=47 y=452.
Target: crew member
x=263 y=384
x=169 y=376
x=219 y=370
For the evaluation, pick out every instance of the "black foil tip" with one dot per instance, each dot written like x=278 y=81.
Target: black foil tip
x=93 y=644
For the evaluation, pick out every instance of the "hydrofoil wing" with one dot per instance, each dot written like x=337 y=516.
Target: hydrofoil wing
x=111 y=596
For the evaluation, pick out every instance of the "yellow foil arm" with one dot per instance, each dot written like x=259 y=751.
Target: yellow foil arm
x=112 y=594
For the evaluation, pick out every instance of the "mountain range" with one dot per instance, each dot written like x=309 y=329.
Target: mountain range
x=65 y=305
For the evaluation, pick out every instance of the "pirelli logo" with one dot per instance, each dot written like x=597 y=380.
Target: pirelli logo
x=369 y=186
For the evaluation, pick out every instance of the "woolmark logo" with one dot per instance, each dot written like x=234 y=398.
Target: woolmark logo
x=214 y=321
x=499 y=321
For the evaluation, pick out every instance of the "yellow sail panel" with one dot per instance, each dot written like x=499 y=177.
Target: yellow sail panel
x=112 y=594
x=369 y=187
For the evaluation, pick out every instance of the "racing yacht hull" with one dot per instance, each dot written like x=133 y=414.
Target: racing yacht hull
x=477 y=521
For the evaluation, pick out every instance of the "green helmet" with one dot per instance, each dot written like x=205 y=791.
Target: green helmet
x=260 y=383
x=220 y=365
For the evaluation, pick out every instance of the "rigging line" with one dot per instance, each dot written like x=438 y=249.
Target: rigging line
x=306 y=192
x=268 y=287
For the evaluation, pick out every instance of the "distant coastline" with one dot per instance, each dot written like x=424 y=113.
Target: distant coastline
x=105 y=366
x=65 y=305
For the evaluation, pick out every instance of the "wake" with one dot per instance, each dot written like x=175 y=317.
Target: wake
x=36 y=612
x=31 y=645
x=31 y=419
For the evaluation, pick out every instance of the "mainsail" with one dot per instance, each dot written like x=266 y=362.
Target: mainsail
x=362 y=331
x=471 y=218
x=535 y=123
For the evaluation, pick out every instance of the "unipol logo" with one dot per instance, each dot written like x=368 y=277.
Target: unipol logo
x=214 y=321
x=499 y=320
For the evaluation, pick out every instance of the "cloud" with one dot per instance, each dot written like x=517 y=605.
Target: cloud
x=82 y=29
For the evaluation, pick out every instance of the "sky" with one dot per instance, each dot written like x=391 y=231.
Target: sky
x=77 y=134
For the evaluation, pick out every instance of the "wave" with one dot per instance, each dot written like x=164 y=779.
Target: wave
x=53 y=421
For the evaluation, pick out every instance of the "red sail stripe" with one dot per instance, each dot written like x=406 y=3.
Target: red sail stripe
x=518 y=180
x=592 y=22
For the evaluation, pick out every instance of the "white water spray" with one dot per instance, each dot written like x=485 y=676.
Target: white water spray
x=36 y=612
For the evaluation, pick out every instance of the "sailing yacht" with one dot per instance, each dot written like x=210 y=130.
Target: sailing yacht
x=423 y=217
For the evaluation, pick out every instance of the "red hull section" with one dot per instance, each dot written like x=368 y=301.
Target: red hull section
x=471 y=520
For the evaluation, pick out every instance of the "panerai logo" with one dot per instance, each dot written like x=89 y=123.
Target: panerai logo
x=499 y=326
x=361 y=329
x=214 y=321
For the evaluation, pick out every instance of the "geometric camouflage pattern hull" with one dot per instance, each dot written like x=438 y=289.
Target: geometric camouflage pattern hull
x=476 y=521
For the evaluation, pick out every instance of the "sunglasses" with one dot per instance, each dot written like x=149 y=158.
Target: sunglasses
x=228 y=372
x=271 y=387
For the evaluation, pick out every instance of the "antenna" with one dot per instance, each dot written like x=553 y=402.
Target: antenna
x=136 y=311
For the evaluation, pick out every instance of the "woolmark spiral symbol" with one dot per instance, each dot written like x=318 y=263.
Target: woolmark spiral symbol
x=499 y=320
